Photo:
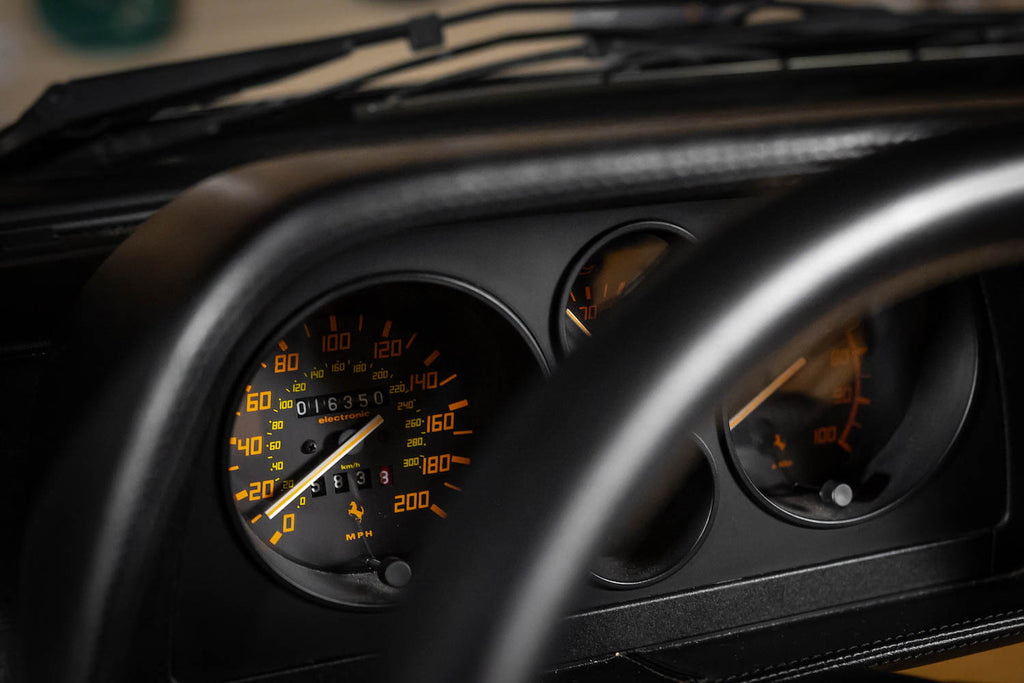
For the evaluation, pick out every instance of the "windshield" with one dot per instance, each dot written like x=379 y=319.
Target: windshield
x=49 y=41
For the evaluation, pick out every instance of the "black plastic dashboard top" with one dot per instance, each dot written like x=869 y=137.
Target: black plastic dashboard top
x=165 y=312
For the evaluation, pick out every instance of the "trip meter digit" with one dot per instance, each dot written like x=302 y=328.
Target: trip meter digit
x=354 y=431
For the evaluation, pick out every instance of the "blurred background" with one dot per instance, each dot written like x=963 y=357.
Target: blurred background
x=48 y=41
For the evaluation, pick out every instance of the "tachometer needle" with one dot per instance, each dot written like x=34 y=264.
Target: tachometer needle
x=329 y=462
x=763 y=395
x=576 y=320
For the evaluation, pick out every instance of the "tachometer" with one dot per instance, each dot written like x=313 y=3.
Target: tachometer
x=852 y=424
x=356 y=429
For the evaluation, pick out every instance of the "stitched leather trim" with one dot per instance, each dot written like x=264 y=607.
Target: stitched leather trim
x=894 y=649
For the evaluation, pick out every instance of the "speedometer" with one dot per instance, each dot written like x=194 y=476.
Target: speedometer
x=356 y=429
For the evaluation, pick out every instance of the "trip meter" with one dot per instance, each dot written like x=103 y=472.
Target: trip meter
x=356 y=429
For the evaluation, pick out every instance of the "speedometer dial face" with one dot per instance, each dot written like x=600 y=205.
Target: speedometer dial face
x=354 y=424
x=354 y=432
x=853 y=423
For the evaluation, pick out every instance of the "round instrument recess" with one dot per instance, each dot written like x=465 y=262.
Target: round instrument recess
x=670 y=520
x=846 y=427
x=356 y=426
x=605 y=272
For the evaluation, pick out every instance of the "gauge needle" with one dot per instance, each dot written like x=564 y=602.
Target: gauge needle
x=577 y=321
x=786 y=375
x=329 y=462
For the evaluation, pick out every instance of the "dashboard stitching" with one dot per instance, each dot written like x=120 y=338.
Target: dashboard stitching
x=794 y=666
x=970 y=641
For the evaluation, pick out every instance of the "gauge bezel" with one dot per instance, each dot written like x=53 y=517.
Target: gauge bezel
x=684 y=548
x=655 y=226
x=351 y=591
x=961 y=320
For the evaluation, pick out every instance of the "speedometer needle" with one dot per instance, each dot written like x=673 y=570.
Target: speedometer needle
x=329 y=462
x=776 y=383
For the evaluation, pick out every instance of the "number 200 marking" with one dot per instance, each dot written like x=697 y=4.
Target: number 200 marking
x=417 y=500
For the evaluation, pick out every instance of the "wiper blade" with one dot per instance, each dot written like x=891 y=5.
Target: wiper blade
x=136 y=95
x=625 y=33
x=139 y=93
x=632 y=39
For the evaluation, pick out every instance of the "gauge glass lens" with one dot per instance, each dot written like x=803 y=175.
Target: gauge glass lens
x=656 y=536
x=356 y=429
x=351 y=425
x=823 y=435
x=608 y=271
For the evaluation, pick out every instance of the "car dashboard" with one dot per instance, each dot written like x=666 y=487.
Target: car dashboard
x=309 y=355
x=709 y=536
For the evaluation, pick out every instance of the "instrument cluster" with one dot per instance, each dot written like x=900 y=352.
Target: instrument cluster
x=354 y=430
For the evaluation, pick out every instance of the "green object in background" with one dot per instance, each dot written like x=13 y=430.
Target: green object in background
x=109 y=24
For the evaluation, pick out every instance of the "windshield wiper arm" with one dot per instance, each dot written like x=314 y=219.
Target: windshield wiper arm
x=137 y=94
x=141 y=92
x=85 y=108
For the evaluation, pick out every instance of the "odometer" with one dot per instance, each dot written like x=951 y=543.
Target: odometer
x=354 y=431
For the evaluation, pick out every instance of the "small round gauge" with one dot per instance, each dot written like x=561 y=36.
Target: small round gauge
x=665 y=526
x=853 y=423
x=355 y=429
x=607 y=271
